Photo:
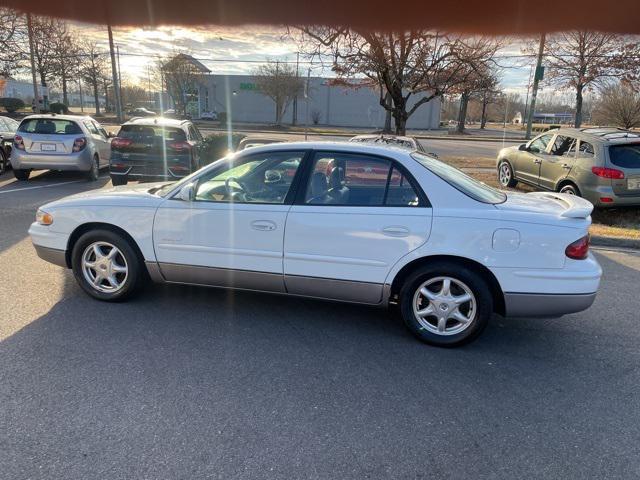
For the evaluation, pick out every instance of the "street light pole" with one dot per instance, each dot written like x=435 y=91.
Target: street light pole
x=114 y=76
x=36 y=103
x=534 y=91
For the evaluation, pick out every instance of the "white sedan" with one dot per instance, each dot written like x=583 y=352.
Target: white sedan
x=348 y=222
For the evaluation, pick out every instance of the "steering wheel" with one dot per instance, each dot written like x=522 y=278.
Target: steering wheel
x=231 y=191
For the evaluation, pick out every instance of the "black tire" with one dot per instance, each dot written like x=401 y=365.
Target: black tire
x=461 y=276
x=570 y=188
x=21 y=174
x=505 y=175
x=126 y=256
x=94 y=173
x=4 y=161
x=119 y=180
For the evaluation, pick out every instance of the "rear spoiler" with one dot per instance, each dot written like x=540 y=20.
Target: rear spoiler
x=575 y=207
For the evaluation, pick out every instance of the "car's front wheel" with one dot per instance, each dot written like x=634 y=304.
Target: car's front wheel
x=446 y=305
x=106 y=265
x=505 y=175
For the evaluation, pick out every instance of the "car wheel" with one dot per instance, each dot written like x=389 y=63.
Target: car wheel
x=570 y=189
x=505 y=175
x=106 y=266
x=446 y=305
x=94 y=173
x=21 y=174
x=3 y=161
x=118 y=180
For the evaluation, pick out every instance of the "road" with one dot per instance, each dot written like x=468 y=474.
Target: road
x=201 y=383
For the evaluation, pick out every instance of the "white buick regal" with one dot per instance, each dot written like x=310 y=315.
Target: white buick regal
x=349 y=222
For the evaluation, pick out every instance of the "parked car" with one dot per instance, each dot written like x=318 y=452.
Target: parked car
x=209 y=116
x=169 y=112
x=60 y=142
x=400 y=141
x=154 y=149
x=599 y=164
x=142 y=112
x=8 y=128
x=248 y=142
x=448 y=249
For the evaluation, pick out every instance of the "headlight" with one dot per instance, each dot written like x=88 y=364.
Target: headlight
x=44 y=218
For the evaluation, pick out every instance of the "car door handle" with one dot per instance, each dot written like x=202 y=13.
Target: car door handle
x=568 y=167
x=537 y=160
x=395 y=231
x=263 y=225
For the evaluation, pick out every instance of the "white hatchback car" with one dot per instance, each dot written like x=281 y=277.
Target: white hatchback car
x=349 y=222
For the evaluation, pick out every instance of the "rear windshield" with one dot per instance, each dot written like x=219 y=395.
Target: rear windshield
x=461 y=181
x=49 y=126
x=625 y=156
x=385 y=141
x=149 y=133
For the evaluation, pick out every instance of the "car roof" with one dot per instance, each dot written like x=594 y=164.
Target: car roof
x=346 y=147
x=383 y=135
x=153 y=121
x=55 y=116
x=599 y=134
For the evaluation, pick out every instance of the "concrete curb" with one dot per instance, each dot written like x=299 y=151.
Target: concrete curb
x=601 y=241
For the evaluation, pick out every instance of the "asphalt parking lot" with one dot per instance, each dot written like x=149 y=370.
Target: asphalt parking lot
x=186 y=383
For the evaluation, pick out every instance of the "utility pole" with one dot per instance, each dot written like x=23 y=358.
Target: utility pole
x=36 y=103
x=119 y=73
x=306 y=96
x=81 y=97
x=526 y=102
x=534 y=92
x=295 y=99
x=114 y=75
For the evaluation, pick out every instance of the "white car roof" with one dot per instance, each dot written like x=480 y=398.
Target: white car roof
x=347 y=147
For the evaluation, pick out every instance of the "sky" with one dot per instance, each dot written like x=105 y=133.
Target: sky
x=227 y=50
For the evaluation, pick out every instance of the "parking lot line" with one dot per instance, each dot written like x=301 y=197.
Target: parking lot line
x=40 y=186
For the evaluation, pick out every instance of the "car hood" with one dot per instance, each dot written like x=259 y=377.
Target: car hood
x=551 y=204
x=136 y=195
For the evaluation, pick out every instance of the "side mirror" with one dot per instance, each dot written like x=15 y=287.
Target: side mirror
x=523 y=147
x=187 y=193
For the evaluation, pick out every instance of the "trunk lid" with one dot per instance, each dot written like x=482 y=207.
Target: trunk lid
x=559 y=205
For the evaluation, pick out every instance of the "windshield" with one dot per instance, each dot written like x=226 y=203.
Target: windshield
x=461 y=181
x=166 y=189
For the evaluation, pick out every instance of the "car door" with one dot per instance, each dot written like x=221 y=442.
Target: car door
x=557 y=162
x=528 y=161
x=100 y=141
x=231 y=233
x=196 y=137
x=355 y=216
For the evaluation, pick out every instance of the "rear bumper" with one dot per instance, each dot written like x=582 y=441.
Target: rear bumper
x=80 y=161
x=52 y=255
x=546 y=305
x=594 y=195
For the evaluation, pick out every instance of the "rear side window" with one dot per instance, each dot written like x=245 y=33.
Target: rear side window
x=625 y=156
x=586 y=149
x=151 y=133
x=50 y=126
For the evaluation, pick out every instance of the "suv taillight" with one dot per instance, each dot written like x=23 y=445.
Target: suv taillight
x=119 y=142
x=18 y=142
x=180 y=146
x=608 y=172
x=578 y=250
x=79 y=144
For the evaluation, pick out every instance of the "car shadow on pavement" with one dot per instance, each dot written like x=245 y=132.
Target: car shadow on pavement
x=190 y=382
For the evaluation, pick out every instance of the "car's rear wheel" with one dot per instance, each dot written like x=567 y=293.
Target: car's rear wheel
x=21 y=174
x=118 y=180
x=106 y=265
x=4 y=161
x=570 y=189
x=446 y=305
x=94 y=173
x=505 y=175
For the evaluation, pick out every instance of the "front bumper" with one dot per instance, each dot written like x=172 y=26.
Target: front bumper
x=545 y=304
x=52 y=255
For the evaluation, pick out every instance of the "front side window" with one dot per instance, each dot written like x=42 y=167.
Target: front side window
x=539 y=144
x=357 y=180
x=263 y=178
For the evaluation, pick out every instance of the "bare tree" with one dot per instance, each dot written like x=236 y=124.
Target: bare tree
x=582 y=60
x=281 y=83
x=12 y=37
x=619 y=105
x=67 y=60
x=415 y=63
x=180 y=73
x=94 y=69
x=477 y=81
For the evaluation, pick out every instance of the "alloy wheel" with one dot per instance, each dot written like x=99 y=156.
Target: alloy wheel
x=104 y=267
x=504 y=174
x=444 y=306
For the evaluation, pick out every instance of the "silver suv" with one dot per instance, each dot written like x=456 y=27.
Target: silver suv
x=599 y=164
x=60 y=142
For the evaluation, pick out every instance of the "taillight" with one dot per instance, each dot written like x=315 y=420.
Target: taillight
x=579 y=249
x=120 y=142
x=18 y=142
x=79 y=144
x=608 y=172
x=180 y=146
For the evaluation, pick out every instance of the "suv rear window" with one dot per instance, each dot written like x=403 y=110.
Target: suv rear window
x=50 y=126
x=625 y=156
x=148 y=133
